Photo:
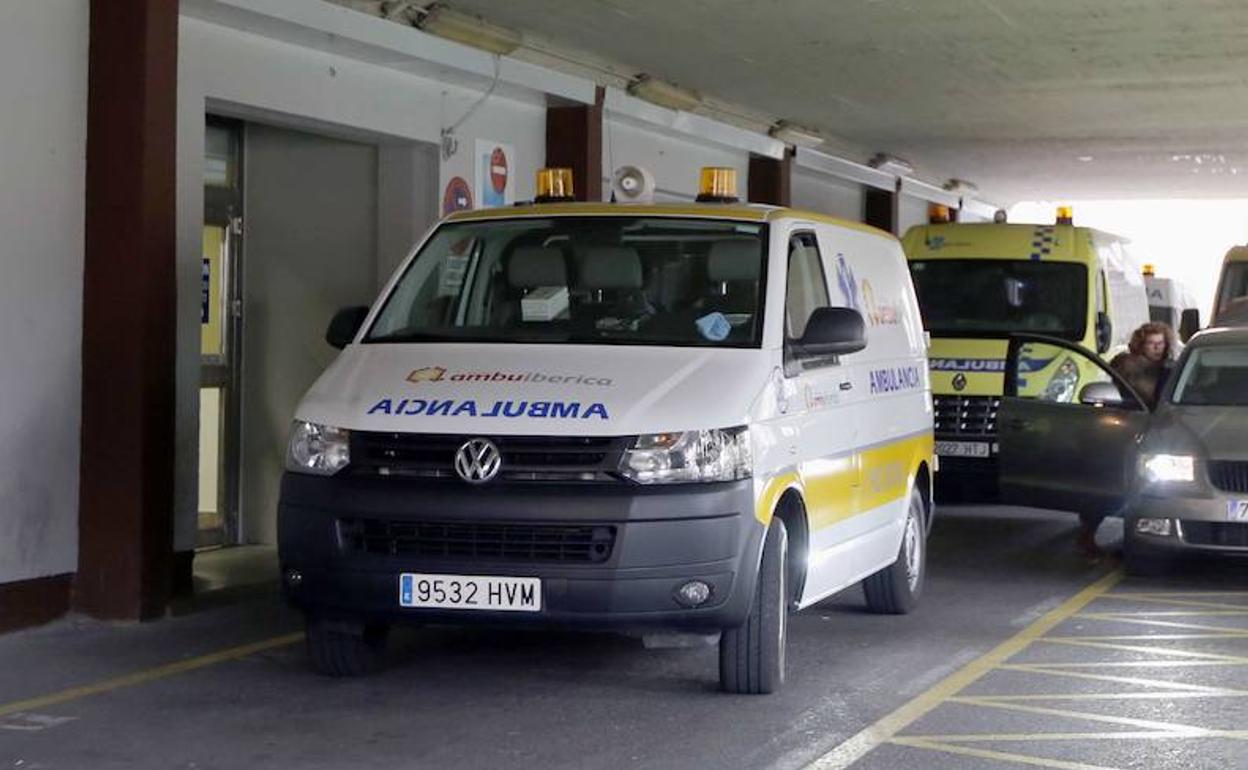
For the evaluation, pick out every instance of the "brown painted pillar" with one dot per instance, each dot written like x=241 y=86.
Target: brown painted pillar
x=770 y=180
x=125 y=521
x=882 y=208
x=574 y=140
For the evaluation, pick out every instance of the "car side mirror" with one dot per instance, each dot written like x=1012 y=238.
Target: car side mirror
x=1189 y=323
x=344 y=326
x=1104 y=332
x=1100 y=394
x=832 y=331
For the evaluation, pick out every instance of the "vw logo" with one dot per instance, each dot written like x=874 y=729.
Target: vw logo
x=959 y=381
x=478 y=460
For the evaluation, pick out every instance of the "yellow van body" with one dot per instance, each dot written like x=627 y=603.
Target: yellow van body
x=977 y=284
x=1230 y=304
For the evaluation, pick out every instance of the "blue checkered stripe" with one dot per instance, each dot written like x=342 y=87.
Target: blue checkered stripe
x=1042 y=242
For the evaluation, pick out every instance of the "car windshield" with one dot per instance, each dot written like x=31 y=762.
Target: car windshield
x=996 y=297
x=604 y=280
x=1233 y=300
x=1214 y=376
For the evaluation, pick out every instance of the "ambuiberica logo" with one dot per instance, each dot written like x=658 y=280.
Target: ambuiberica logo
x=502 y=408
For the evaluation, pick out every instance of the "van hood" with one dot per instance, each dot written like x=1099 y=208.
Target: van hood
x=977 y=365
x=1213 y=432
x=511 y=389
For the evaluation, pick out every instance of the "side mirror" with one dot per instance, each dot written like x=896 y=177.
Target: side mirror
x=342 y=329
x=832 y=331
x=1104 y=332
x=1100 y=394
x=1189 y=323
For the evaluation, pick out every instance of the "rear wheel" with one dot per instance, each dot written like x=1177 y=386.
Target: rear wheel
x=751 y=656
x=895 y=590
x=345 y=649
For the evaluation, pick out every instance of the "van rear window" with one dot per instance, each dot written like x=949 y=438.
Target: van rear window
x=583 y=280
x=997 y=297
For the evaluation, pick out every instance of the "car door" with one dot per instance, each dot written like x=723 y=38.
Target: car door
x=1069 y=427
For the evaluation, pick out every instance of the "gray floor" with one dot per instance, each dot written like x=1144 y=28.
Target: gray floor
x=486 y=699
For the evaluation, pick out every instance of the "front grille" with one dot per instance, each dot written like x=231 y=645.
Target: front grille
x=524 y=458
x=1216 y=533
x=969 y=416
x=1229 y=475
x=486 y=541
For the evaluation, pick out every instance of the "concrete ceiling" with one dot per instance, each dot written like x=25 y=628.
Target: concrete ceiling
x=1061 y=99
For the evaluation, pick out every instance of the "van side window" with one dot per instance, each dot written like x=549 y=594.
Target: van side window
x=807 y=286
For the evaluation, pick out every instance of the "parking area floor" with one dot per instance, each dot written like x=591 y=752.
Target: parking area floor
x=1022 y=654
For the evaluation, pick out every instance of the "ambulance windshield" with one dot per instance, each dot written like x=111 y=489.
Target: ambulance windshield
x=582 y=280
x=996 y=297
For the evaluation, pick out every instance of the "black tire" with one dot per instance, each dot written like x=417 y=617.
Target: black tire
x=895 y=590
x=1138 y=559
x=751 y=656
x=343 y=649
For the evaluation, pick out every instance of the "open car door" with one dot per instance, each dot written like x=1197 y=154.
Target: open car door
x=1069 y=426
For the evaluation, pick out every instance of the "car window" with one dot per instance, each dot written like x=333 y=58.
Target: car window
x=1214 y=376
x=678 y=281
x=807 y=285
x=1054 y=373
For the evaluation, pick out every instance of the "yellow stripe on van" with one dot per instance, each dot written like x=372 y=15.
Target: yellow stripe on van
x=835 y=489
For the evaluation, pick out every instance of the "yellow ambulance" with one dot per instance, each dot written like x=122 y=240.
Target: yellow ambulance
x=1231 y=303
x=979 y=283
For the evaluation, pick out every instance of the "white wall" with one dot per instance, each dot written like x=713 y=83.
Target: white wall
x=913 y=211
x=43 y=116
x=675 y=161
x=827 y=194
x=258 y=78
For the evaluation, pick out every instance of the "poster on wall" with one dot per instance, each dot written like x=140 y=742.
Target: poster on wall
x=496 y=182
x=457 y=197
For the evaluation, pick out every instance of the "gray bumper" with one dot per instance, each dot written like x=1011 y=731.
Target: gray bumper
x=662 y=538
x=1198 y=524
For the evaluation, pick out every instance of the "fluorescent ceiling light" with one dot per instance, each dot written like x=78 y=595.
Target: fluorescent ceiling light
x=663 y=93
x=796 y=135
x=891 y=164
x=470 y=30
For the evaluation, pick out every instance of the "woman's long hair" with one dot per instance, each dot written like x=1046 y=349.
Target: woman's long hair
x=1136 y=345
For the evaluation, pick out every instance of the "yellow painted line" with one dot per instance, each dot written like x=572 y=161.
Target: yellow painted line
x=1149 y=621
x=1145 y=649
x=1170 y=613
x=1139 y=664
x=1154 y=637
x=1092 y=696
x=149 y=675
x=1146 y=599
x=1124 y=735
x=1081 y=716
x=1132 y=680
x=1164 y=594
x=886 y=728
x=1001 y=756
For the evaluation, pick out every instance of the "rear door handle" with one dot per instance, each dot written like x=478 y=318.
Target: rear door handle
x=847 y=386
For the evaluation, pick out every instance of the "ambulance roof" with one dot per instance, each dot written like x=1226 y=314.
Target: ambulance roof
x=751 y=212
x=997 y=241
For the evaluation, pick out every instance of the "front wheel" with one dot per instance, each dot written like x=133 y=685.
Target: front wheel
x=343 y=649
x=751 y=656
x=895 y=589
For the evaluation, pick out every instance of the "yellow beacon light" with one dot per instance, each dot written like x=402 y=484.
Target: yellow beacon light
x=1065 y=215
x=718 y=185
x=1150 y=271
x=554 y=185
x=937 y=214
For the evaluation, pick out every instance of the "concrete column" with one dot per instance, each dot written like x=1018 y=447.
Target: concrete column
x=125 y=544
x=574 y=140
x=770 y=180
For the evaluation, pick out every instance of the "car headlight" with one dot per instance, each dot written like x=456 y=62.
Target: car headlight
x=1164 y=468
x=322 y=450
x=1061 y=387
x=690 y=456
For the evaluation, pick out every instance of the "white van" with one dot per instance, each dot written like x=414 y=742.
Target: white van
x=673 y=417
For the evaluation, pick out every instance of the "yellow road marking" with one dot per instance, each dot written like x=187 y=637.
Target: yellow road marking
x=1148 y=621
x=1114 y=736
x=148 y=675
x=1170 y=613
x=1145 y=649
x=1082 y=716
x=1162 y=695
x=886 y=728
x=1154 y=637
x=1003 y=756
x=1176 y=602
x=1138 y=664
x=1025 y=668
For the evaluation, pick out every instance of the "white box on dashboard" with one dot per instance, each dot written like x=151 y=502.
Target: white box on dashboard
x=545 y=303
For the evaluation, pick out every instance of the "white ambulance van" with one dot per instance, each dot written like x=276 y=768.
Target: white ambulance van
x=687 y=417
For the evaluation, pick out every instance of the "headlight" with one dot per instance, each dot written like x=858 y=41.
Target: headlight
x=697 y=455
x=1061 y=387
x=1163 y=468
x=318 y=449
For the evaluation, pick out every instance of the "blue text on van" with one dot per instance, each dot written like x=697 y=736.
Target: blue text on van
x=557 y=410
